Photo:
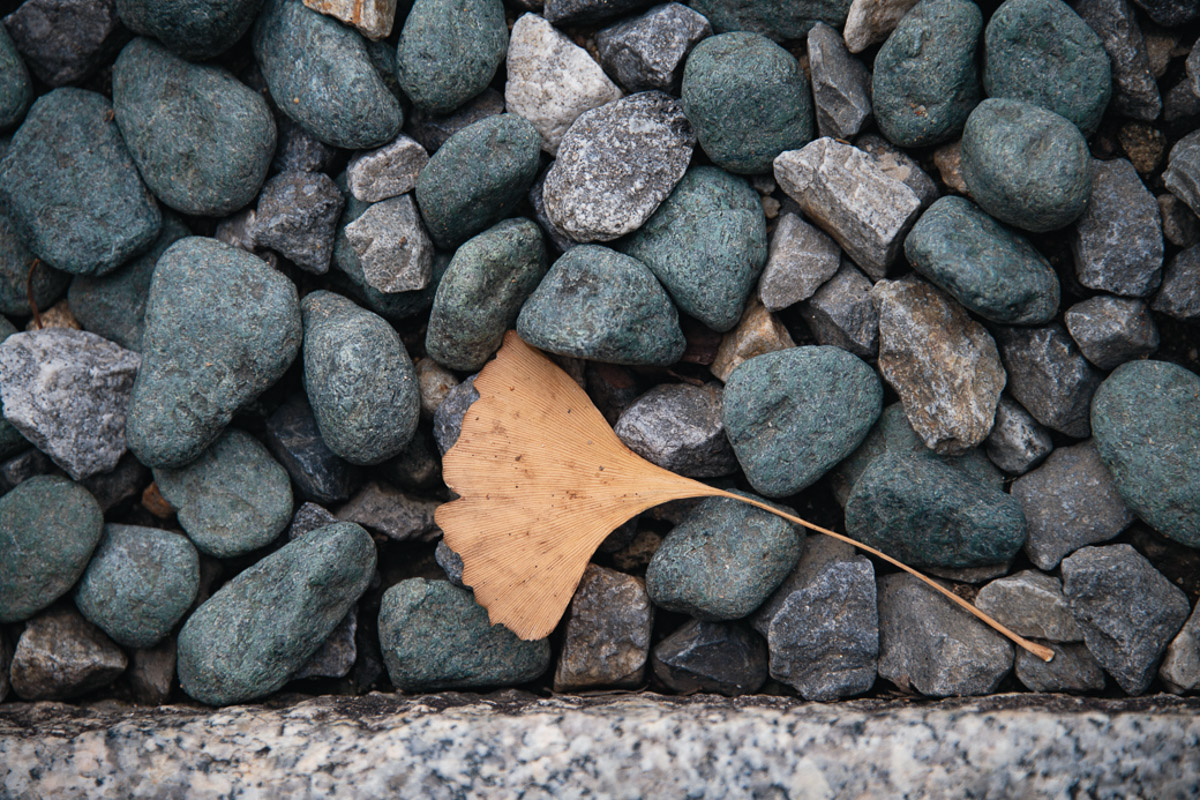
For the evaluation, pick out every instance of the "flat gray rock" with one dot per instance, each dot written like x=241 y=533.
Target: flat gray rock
x=1179 y=296
x=606 y=642
x=1073 y=669
x=1112 y=330
x=723 y=657
x=1118 y=242
x=388 y=171
x=678 y=427
x=61 y=655
x=1017 y=442
x=1049 y=377
x=841 y=85
x=648 y=51
x=1032 y=604
x=1135 y=92
x=800 y=260
x=841 y=313
x=395 y=514
x=1180 y=668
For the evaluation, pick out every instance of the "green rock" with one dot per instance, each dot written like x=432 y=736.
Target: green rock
x=201 y=139
x=435 y=636
x=478 y=177
x=777 y=19
x=322 y=77
x=1146 y=425
x=15 y=259
x=925 y=83
x=707 y=244
x=220 y=327
x=1041 y=52
x=261 y=627
x=232 y=499
x=482 y=292
x=926 y=512
x=49 y=527
x=793 y=414
x=114 y=306
x=195 y=29
x=1025 y=166
x=140 y=582
x=359 y=380
x=71 y=187
x=598 y=304
x=16 y=87
x=449 y=50
x=991 y=270
x=722 y=561
x=748 y=100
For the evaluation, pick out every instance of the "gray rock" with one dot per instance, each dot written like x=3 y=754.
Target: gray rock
x=308 y=518
x=233 y=499
x=897 y=163
x=538 y=201
x=844 y=190
x=151 y=673
x=1073 y=669
x=432 y=130
x=870 y=21
x=616 y=164
x=1182 y=177
x=1017 y=442
x=942 y=363
x=841 y=313
x=1135 y=93
x=61 y=655
x=929 y=645
x=296 y=217
x=337 y=654
x=1180 y=226
x=1128 y=610
x=1179 y=296
x=606 y=641
x=1168 y=12
x=23 y=466
x=64 y=41
x=678 y=427
x=575 y=11
x=1112 y=330
x=800 y=261
x=127 y=481
x=395 y=514
x=387 y=171
x=435 y=383
x=295 y=440
x=818 y=553
x=238 y=230
x=841 y=85
x=450 y=562
x=1118 y=242
x=1032 y=604
x=824 y=639
x=723 y=657
x=1180 y=668
x=972 y=575
x=297 y=150
x=447 y=420
x=1049 y=377
x=67 y=391
x=648 y=51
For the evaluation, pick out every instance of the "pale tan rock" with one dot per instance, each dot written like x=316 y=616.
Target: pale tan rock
x=434 y=382
x=56 y=316
x=948 y=160
x=870 y=21
x=758 y=332
x=373 y=18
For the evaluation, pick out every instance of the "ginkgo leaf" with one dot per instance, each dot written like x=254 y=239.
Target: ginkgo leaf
x=542 y=480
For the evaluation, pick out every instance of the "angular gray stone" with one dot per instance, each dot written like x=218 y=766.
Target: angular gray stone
x=387 y=171
x=1182 y=177
x=818 y=553
x=1128 y=610
x=1030 y=603
x=899 y=164
x=1118 y=242
x=648 y=51
x=393 y=249
x=432 y=130
x=1017 y=442
x=1049 y=377
x=1179 y=296
x=1180 y=226
x=844 y=190
x=1180 y=668
x=870 y=21
x=447 y=420
x=943 y=364
x=297 y=150
x=295 y=440
x=723 y=657
x=450 y=562
x=395 y=514
x=841 y=313
x=606 y=642
x=151 y=673
x=678 y=427
x=336 y=655
x=1112 y=330
x=929 y=645
x=800 y=261
x=1074 y=669
x=435 y=382
x=61 y=655
x=67 y=392
x=616 y=164
x=64 y=41
x=841 y=85
x=1135 y=92
x=296 y=217
x=307 y=519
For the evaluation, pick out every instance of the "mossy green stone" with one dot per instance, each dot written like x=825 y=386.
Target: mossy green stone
x=925 y=83
x=747 y=99
x=449 y=50
x=195 y=29
x=991 y=270
x=598 y=304
x=16 y=87
x=435 y=636
x=1146 y=426
x=49 y=527
x=481 y=294
x=140 y=582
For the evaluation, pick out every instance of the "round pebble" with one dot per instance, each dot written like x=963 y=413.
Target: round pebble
x=449 y=50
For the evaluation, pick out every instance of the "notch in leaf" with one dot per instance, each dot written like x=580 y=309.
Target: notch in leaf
x=542 y=479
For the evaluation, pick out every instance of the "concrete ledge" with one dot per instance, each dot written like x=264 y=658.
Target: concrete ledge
x=630 y=746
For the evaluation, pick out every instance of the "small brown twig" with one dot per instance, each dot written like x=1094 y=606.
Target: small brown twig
x=37 y=316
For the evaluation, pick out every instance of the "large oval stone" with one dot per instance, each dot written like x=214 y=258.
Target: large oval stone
x=449 y=50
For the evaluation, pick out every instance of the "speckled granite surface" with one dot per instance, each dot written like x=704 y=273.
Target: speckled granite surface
x=513 y=745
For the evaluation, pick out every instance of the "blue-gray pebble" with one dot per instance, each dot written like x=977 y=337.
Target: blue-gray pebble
x=707 y=243
x=15 y=261
x=435 y=636
x=991 y=270
x=1025 y=165
x=16 y=87
x=792 y=415
x=449 y=50
x=221 y=326
x=1146 y=426
x=201 y=139
x=1040 y=51
x=748 y=100
x=478 y=177
x=778 y=19
x=139 y=583
x=259 y=629
x=71 y=187
x=479 y=297
x=232 y=499
x=195 y=29
x=722 y=561
x=599 y=304
x=49 y=527
x=359 y=379
x=321 y=75
x=925 y=83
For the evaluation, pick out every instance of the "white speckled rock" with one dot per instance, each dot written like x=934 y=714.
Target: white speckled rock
x=1180 y=668
x=551 y=80
x=392 y=246
x=387 y=171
